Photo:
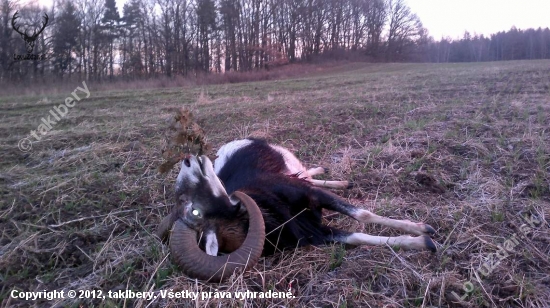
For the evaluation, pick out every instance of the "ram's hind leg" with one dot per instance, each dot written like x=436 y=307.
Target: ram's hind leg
x=330 y=184
x=335 y=203
x=322 y=183
x=406 y=242
x=316 y=171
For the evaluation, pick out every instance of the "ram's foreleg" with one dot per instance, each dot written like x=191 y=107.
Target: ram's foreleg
x=332 y=202
x=406 y=242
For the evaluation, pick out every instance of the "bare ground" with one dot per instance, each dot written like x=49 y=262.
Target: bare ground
x=463 y=147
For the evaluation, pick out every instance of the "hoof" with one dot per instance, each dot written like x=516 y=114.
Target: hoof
x=429 y=244
x=429 y=230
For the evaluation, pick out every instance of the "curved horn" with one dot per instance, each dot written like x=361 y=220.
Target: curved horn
x=197 y=264
x=165 y=225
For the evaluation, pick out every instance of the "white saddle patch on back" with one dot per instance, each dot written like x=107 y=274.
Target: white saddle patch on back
x=226 y=151
x=293 y=164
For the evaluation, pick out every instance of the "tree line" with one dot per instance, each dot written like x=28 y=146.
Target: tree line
x=91 y=39
x=149 y=38
x=514 y=44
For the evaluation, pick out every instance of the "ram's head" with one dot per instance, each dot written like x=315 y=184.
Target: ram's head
x=205 y=216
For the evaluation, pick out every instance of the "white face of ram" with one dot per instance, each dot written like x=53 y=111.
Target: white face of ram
x=196 y=173
x=200 y=191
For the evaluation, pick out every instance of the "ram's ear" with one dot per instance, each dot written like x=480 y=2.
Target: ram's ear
x=211 y=245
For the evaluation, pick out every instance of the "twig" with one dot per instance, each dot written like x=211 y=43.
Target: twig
x=425 y=294
x=485 y=291
x=6 y=212
x=404 y=262
x=283 y=224
x=56 y=186
x=102 y=215
x=151 y=279
x=90 y=217
x=90 y=258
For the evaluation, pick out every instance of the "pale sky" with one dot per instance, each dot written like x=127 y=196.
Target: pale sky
x=451 y=18
x=445 y=18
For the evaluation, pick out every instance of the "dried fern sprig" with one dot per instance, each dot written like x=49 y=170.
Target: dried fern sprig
x=183 y=137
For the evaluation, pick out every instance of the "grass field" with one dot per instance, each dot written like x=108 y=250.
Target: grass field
x=462 y=147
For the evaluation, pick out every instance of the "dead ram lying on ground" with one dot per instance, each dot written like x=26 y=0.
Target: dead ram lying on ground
x=256 y=199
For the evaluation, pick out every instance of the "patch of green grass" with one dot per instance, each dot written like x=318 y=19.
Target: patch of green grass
x=337 y=255
x=163 y=274
x=343 y=304
x=70 y=206
x=541 y=185
x=497 y=215
x=416 y=164
x=416 y=124
x=377 y=150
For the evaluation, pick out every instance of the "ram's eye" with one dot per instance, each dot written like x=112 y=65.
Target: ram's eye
x=195 y=212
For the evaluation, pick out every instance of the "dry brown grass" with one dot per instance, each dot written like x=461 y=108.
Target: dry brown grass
x=463 y=147
x=55 y=86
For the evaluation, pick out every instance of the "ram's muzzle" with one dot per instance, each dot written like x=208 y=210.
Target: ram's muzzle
x=197 y=264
